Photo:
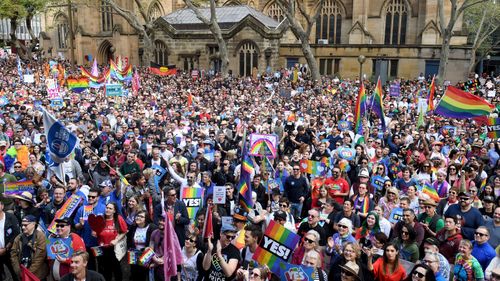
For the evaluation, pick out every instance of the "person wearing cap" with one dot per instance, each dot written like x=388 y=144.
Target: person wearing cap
x=100 y=172
x=349 y=272
x=481 y=249
x=9 y=229
x=110 y=194
x=488 y=208
x=60 y=266
x=221 y=259
x=471 y=216
x=29 y=249
x=430 y=220
x=431 y=246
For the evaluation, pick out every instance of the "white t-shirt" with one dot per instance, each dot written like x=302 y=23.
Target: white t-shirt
x=2 y=231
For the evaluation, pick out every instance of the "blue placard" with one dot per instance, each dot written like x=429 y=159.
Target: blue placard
x=345 y=125
x=290 y=272
x=396 y=215
x=114 y=90
x=159 y=173
x=347 y=153
x=4 y=101
x=61 y=247
x=56 y=103
x=378 y=182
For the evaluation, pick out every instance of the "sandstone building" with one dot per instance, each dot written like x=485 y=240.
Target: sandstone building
x=398 y=37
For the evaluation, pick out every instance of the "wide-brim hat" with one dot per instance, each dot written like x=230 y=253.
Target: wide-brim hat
x=25 y=196
x=353 y=268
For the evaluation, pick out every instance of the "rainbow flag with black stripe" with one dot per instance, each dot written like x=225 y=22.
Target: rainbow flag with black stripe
x=377 y=105
x=462 y=105
x=245 y=184
x=360 y=110
x=77 y=85
x=276 y=246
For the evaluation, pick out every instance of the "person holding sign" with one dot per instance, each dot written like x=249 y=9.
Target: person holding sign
x=58 y=252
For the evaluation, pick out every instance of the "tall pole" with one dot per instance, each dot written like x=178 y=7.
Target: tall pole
x=71 y=37
x=361 y=60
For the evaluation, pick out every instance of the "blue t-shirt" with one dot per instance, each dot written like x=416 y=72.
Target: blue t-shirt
x=484 y=253
x=86 y=231
x=472 y=220
x=112 y=198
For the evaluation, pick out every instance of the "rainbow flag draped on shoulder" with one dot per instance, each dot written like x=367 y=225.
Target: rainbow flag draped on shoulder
x=360 y=110
x=461 y=105
x=245 y=183
x=377 y=103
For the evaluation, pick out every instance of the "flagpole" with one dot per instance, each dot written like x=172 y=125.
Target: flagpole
x=205 y=222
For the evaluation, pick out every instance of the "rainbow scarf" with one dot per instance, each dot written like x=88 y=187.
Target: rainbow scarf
x=287 y=240
x=360 y=110
x=462 y=105
x=362 y=205
x=77 y=85
x=430 y=98
x=377 y=105
x=244 y=185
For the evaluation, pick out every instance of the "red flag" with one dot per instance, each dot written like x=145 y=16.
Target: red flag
x=208 y=229
x=171 y=250
x=27 y=275
x=190 y=99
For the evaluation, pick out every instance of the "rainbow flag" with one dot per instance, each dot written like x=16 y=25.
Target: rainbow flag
x=377 y=103
x=430 y=98
x=276 y=246
x=360 y=110
x=428 y=189
x=263 y=147
x=239 y=242
x=65 y=211
x=461 y=105
x=311 y=167
x=17 y=188
x=493 y=126
x=245 y=184
x=77 y=85
x=120 y=73
x=193 y=199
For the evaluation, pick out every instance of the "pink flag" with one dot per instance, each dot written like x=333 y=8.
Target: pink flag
x=171 y=250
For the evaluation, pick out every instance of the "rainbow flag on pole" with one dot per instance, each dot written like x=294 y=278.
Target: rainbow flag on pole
x=377 y=104
x=360 y=110
x=430 y=98
x=276 y=246
x=461 y=105
x=245 y=184
x=428 y=189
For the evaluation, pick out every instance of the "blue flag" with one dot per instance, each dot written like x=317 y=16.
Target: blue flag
x=60 y=141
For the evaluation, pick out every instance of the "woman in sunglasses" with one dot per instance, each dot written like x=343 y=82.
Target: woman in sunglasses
x=406 y=243
x=138 y=238
x=258 y=274
x=389 y=201
x=191 y=255
x=309 y=243
x=387 y=268
x=421 y=272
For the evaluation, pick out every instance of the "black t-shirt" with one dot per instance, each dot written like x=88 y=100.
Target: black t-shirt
x=216 y=273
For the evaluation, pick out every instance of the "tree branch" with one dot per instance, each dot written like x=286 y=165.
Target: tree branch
x=197 y=12
x=128 y=15
x=465 y=6
x=441 y=15
x=141 y=11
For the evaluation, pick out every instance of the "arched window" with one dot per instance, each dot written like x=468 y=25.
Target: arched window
x=161 y=53
x=274 y=11
x=62 y=31
x=329 y=23
x=249 y=58
x=395 y=22
x=106 y=16
x=155 y=11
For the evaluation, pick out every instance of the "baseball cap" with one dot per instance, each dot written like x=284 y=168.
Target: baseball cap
x=29 y=218
x=228 y=228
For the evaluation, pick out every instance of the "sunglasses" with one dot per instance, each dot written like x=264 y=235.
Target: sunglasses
x=283 y=205
x=60 y=225
x=296 y=169
x=418 y=274
x=91 y=197
x=481 y=234
x=404 y=232
x=309 y=240
x=230 y=237
x=17 y=167
x=342 y=226
x=464 y=199
x=25 y=225
x=191 y=240
x=255 y=274
x=173 y=195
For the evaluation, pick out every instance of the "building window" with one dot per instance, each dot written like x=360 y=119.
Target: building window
x=248 y=58
x=155 y=11
x=329 y=66
x=329 y=24
x=274 y=11
x=106 y=16
x=62 y=32
x=393 y=68
x=161 y=53
x=395 y=22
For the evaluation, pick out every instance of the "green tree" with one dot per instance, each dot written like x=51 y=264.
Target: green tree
x=482 y=23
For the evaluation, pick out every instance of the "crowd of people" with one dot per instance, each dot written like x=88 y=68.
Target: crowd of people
x=193 y=127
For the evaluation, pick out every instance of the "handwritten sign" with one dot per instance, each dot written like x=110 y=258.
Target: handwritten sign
x=219 y=195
